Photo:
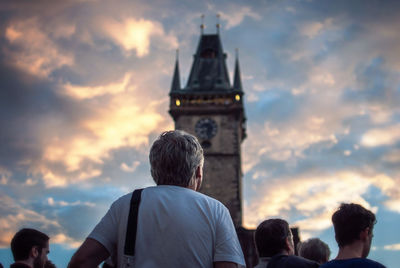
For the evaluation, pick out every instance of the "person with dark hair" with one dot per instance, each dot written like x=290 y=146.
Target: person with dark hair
x=353 y=226
x=314 y=249
x=275 y=247
x=176 y=225
x=29 y=248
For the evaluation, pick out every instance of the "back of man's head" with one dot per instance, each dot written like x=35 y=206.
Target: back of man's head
x=174 y=158
x=349 y=221
x=271 y=237
x=314 y=249
x=24 y=240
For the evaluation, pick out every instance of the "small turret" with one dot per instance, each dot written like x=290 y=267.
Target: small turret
x=237 y=81
x=176 y=80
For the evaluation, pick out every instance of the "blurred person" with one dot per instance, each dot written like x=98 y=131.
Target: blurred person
x=29 y=248
x=275 y=247
x=176 y=225
x=314 y=249
x=353 y=226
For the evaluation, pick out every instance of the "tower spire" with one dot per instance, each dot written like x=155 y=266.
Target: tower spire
x=202 y=24
x=218 y=24
x=237 y=81
x=176 y=81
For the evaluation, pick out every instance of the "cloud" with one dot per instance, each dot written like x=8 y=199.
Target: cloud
x=393 y=205
x=65 y=240
x=135 y=34
x=236 y=14
x=394 y=247
x=381 y=136
x=131 y=168
x=312 y=29
x=121 y=121
x=5 y=175
x=52 y=202
x=86 y=92
x=287 y=141
x=16 y=216
x=307 y=201
x=393 y=156
x=66 y=215
x=33 y=50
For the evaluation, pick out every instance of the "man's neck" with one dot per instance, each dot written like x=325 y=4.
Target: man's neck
x=351 y=251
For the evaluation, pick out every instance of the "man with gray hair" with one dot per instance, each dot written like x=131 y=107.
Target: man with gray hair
x=314 y=249
x=176 y=225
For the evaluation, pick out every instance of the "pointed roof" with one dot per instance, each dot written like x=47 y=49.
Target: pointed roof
x=237 y=81
x=209 y=71
x=176 y=80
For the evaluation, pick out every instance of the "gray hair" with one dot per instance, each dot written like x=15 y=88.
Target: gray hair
x=314 y=249
x=174 y=158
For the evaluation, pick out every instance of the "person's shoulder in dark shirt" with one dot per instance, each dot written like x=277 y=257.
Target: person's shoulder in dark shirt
x=19 y=265
x=285 y=261
x=354 y=263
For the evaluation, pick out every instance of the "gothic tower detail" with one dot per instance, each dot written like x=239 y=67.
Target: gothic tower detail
x=210 y=108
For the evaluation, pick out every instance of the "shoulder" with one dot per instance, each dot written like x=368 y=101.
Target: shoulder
x=356 y=262
x=19 y=265
x=373 y=264
x=301 y=262
x=122 y=201
x=330 y=264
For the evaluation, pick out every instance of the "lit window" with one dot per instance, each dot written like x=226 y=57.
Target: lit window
x=237 y=97
x=178 y=102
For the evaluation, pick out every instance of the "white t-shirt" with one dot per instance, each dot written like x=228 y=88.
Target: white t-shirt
x=177 y=227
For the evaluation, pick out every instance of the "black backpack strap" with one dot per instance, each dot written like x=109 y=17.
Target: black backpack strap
x=131 y=228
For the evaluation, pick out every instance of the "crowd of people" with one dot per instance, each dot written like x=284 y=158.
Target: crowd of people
x=173 y=225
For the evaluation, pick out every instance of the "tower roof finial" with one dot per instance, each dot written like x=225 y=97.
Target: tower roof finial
x=218 y=24
x=202 y=24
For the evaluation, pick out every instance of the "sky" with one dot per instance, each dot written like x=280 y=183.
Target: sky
x=84 y=93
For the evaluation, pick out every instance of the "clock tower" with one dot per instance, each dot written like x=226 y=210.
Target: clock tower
x=210 y=108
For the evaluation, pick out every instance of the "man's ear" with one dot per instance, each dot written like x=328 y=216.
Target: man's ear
x=199 y=173
x=198 y=178
x=364 y=234
x=34 y=252
x=289 y=246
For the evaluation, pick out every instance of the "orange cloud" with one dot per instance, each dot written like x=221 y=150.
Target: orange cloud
x=314 y=197
x=66 y=241
x=81 y=92
x=38 y=54
x=135 y=34
x=10 y=224
x=124 y=119
x=131 y=168
x=381 y=136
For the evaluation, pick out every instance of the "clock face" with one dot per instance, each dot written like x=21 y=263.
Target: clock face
x=206 y=128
